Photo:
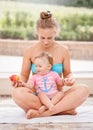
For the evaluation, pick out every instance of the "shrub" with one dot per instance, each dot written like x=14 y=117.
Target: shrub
x=20 y=25
x=12 y=33
x=84 y=3
x=76 y=27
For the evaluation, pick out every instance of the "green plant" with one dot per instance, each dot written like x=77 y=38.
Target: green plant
x=18 y=22
x=12 y=33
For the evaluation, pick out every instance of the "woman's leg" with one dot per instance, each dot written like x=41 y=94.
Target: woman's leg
x=72 y=99
x=24 y=98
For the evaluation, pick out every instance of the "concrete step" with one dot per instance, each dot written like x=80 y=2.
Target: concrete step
x=12 y=64
x=82 y=70
x=6 y=88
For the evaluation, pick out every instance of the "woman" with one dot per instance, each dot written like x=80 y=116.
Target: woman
x=47 y=29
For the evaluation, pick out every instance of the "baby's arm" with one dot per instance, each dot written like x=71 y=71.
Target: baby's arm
x=60 y=81
x=29 y=84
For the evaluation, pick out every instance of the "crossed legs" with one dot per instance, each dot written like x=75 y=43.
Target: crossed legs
x=67 y=105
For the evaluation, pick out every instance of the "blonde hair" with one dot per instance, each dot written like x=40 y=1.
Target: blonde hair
x=47 y=56
x=46 y=20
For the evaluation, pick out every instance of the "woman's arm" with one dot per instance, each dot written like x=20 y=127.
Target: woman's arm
x=67 y=74
x=69 y=80
x=29 y=84
x=26 y=65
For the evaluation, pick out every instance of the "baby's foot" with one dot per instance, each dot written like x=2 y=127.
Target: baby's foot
x=32 y=114
x=51 y=108
x=42 y=109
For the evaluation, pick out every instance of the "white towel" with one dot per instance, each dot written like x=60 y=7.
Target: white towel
x=17 y=115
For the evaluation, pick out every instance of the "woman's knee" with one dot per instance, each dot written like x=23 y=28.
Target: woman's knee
x=18 y=92
x=83 y=88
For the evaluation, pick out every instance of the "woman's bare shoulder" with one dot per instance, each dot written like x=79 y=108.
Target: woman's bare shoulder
x=62 y=47
x=30 y=48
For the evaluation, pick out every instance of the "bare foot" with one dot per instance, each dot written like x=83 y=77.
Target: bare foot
x=32 y=114
x=42 y=109
x=51 y=108
x=69 y=112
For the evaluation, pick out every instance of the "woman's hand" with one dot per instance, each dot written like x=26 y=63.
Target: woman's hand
x=69 y=81
x=17 y=84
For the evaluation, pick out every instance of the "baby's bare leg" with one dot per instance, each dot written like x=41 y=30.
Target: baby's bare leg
x=42 y=109
x=46 y=101
x=57 y=97
x=54 y=101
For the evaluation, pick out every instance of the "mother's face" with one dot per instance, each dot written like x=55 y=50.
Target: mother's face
x=46 y=37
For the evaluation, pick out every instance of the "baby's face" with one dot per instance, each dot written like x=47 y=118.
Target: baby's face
x=42 y=66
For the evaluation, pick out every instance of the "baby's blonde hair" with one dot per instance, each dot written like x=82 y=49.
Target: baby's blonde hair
x=47 y=56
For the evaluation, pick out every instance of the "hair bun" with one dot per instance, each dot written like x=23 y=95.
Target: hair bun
x=45 y=15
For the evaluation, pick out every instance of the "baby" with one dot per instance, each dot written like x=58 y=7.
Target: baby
x=45 y=82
